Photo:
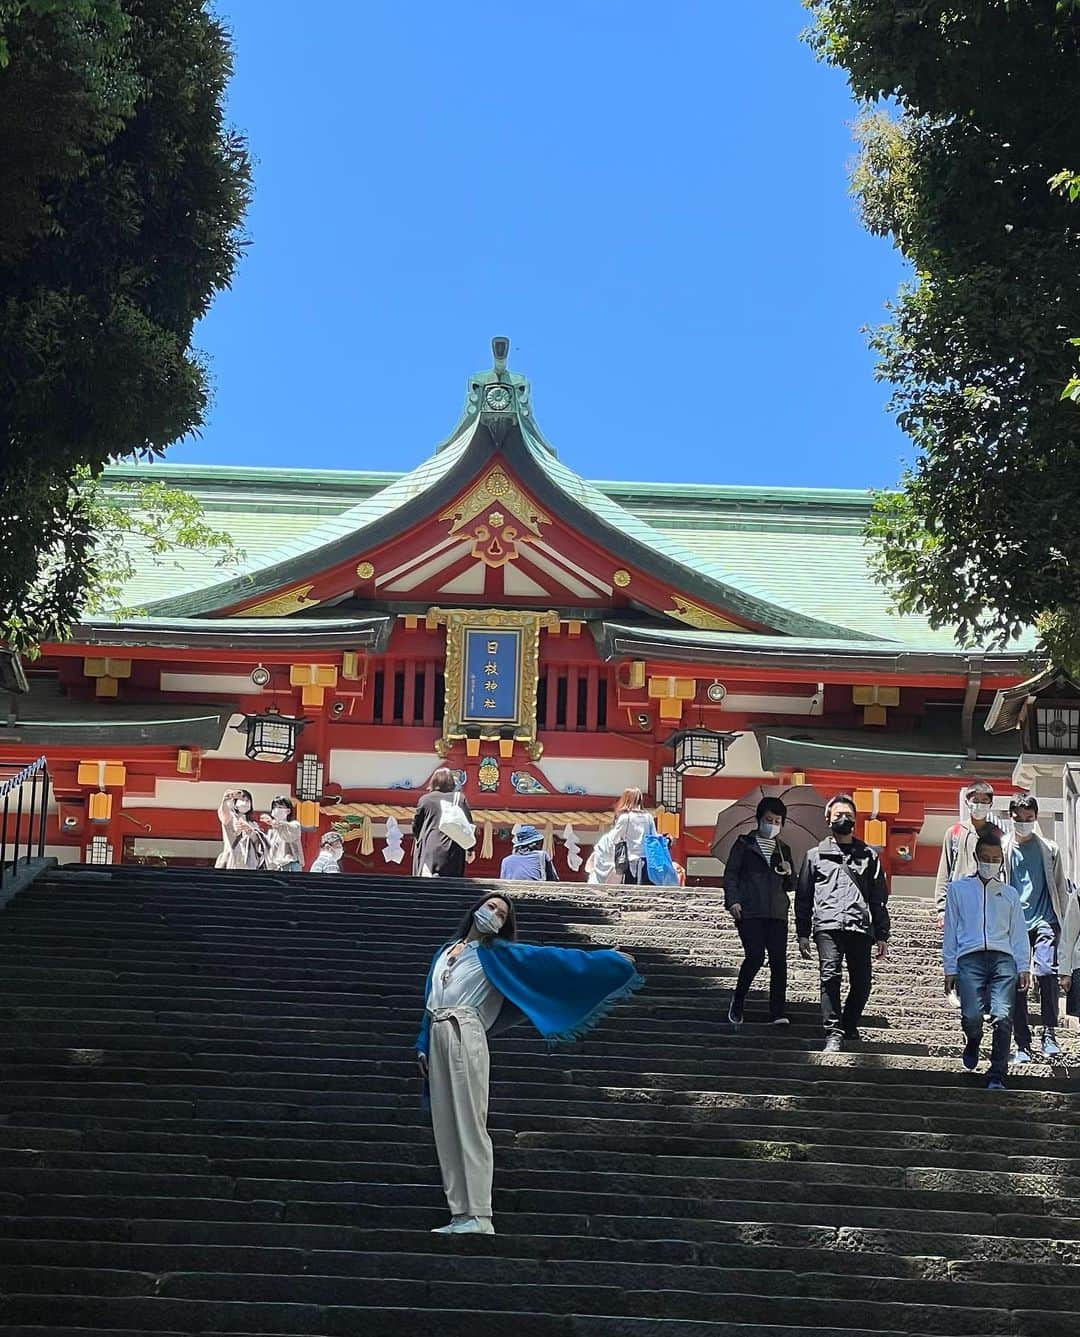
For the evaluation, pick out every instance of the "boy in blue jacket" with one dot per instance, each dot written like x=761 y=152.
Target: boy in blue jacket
x=985 y=953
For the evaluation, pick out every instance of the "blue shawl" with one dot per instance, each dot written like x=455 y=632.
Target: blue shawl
x=563 y=991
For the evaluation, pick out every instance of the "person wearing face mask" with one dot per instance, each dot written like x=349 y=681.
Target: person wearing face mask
x=841 y=900
x=331 y=850
x=1033 y=865
x=245 y=846
x=985 y=954
x=480 y=983
x=758 y=881
x=283 y=854
x=958 y=848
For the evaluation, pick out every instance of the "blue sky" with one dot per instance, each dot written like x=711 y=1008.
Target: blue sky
x=650 y=200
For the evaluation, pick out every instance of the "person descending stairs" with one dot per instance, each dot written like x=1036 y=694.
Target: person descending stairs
x=210 y=1122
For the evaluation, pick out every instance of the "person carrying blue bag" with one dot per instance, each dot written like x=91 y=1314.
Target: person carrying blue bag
x=480 y=983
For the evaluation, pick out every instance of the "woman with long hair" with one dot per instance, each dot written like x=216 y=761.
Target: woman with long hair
x=283 y=854
x=244 y=845
x=481 y=982
x=435 y=854
x=632 y=824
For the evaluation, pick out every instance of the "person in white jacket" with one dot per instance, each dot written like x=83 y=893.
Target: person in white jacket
x=986 y=954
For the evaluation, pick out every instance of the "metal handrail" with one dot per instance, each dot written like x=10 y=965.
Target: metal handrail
x=36 y=779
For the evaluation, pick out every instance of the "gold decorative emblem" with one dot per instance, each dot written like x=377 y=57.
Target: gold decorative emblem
x=281 y=605
x=695 y=615
x=495 y=541
x=365 y=570
x=621 y=578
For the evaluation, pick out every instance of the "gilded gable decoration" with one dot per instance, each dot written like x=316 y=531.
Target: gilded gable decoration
x=498 y=518
x=695 y=615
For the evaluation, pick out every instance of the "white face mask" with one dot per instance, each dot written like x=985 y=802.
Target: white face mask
x=1024 y=828
x=770 y=830
x=241 y=805
x=279 y=814
x=334 y=851
x=980 y=811
x=989 y=871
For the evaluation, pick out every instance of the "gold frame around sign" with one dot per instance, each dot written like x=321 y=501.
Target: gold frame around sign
x=459 y=620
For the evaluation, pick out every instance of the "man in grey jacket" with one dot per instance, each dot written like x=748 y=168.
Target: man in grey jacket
x=1051 y=919
x=958 y=846
x=840 y=899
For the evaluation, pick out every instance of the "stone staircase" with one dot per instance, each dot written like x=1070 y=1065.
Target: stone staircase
x=209 y=1123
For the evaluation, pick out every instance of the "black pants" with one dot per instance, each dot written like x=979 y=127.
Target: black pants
x=761 y=936
x=1044 y=948
x=835 y=946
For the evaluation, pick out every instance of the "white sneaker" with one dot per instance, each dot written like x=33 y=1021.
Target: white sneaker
x=455 y=1221
x=471 y=1225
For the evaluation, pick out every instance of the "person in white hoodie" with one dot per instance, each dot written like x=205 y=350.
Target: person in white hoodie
x=986 y=954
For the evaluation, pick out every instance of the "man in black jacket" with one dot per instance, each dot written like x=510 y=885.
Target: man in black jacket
x=840 y=900
x=758 y=880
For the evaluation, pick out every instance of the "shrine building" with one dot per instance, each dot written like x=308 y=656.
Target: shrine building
x=551 y=639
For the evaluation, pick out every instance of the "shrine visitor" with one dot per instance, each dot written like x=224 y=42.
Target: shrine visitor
x=1033 y=865
x=632 y=824
x=600 y=865
x=986 y=954
x=331 y=850
x=435 y=854
x=283 y=837
x=528 y=862
x=958 y=848
x=245 y=846
x=840 y=899
x=758 y=881
x=481 y=982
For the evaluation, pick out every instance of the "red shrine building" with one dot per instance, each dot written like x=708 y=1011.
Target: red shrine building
x=550 y=639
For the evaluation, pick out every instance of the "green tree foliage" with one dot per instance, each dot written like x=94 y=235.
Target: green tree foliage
x=972 y=108
x=123 y=198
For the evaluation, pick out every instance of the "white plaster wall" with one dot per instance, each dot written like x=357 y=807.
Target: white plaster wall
x=702 y=811
x=221 y=684
x=598 y=775
x=355 y=769
x=189 y=794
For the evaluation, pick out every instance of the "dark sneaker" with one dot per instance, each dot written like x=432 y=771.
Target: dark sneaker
x=1020 y=1057
x=834 y=1044
x=995 y=1084
x=851 y=1034
x=779 y=1021
x=970 y=1057
x=1050 y=1046
x=734 y=1013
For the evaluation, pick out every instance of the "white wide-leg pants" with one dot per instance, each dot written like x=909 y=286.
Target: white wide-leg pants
x=458 y=1068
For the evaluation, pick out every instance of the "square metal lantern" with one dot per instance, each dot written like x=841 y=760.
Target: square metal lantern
x=1057 y=727
x=271 y=736
x=699 y=751
x=669 y=788
x=309 y=777
x=99 y=851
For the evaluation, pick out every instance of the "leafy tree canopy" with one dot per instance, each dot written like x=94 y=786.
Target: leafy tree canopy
x=967 y=148
x=124 y=194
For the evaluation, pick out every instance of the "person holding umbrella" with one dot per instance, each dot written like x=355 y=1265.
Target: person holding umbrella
x=758 y=881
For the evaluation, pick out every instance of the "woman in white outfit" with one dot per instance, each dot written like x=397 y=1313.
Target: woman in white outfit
x=632 y=825
x=481 y=982
x=245 y=846
x=283 y=836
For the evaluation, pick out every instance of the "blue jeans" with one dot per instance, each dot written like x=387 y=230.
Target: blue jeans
x=986 y=983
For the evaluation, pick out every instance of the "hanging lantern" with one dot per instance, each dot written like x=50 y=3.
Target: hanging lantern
x=669 y=788
x=699 y=751
x=307 y=814
x=271 y=736
x=309 y=777
x=100 y=810
x=99 y=851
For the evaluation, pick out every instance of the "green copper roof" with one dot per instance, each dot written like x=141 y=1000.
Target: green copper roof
x=794 y=559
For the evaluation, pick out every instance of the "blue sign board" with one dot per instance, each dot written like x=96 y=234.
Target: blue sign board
x=491 y=683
